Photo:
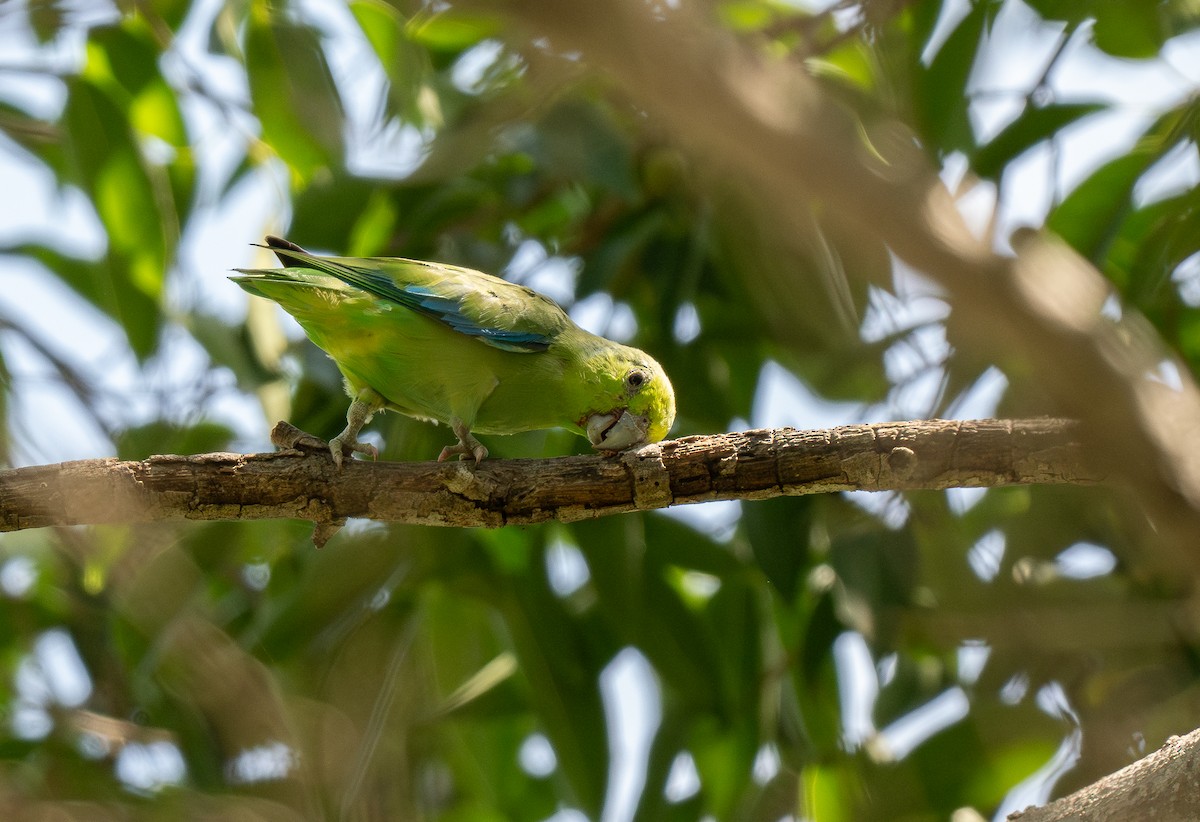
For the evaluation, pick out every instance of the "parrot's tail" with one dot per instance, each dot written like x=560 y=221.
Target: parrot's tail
x=281 y=247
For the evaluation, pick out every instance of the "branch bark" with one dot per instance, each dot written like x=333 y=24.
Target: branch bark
x=302 y=482
x=1163 y=785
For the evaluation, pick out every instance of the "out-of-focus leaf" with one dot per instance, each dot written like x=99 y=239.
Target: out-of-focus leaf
x=1071 y=11
x=464 y=648
x=405 y=64
x=105 y=158
x=46 y=18
x=161 y=437
x=828 y=789
x=1031 y=128
x=579 y=143
x=561 y=663
x=619 y=248
x=172 y=12
x=1124 y=28
x=685 y=547
x=735 y=613
x=229 y=347
x=375 y=226
x=1187 y=338
x=723 y=761
x=5 y=387
x=42 y=139
x=326 y=211
x=104 y=283
x=1130 y=29
x=942 y=99
x=1169 y=241
x=383 y=27
x=293 y=94
x=123 y=61
x=1145 y=251
x=1090 y=217
x=452 y=30
x=746 y=15
x=122 y=56
x=850 y=66
x=778 y=531
x=922 y=18
x=1009 y=764
x=641 y=609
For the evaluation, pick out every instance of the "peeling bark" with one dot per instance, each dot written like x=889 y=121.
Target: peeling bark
x=303 y=483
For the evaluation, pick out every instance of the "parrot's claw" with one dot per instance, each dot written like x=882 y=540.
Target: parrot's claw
x=365 y=404
x=464 y=450
x=340 y=447
x=467 y=445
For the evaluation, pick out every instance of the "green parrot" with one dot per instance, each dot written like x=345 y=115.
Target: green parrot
x=452 y=345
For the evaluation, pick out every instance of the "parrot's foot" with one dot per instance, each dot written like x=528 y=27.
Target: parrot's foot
x=464 y=450
x=467 y=445
x=342 y=446
x=359 y=414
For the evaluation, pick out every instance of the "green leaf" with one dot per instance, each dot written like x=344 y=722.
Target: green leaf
x=1091 y=216
x=642 y=608
x=40 y=138
x=122 y=55
x=942 y=98
x=1130 y=28
x=1187 y=338
x=104 y=158
x=161 y=437
x=1031 y=128
x=561 y=663
x=172 y=12
x=452 y=31
x=778 y=530
x=293 y=94
x=46 y=18
x=5 y=388
x=104 y=284
x=747 y=15
x=578 y=142
x=1140 y=247
x=1070 y=11
x=326 y=212
x=405 y=64
x=229 y=347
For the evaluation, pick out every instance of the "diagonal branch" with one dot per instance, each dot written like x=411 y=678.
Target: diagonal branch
x=1161 y=785
x=302 y=483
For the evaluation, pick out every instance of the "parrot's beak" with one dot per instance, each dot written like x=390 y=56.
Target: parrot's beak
x=616 y=430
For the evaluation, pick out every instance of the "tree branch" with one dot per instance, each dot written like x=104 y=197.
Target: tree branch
x=1161 y=785
x=302 y=482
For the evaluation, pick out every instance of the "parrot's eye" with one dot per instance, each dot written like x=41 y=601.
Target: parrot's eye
x=635 y=380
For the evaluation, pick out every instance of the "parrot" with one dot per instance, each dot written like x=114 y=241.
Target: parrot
x=455 y=346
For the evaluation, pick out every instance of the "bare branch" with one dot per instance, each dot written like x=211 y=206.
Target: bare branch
x=1160 y=786
x=928 y=454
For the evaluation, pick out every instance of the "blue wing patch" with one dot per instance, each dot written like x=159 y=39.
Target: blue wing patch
x=447 y=310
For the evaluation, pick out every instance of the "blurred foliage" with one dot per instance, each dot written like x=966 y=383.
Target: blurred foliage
x=838 y=658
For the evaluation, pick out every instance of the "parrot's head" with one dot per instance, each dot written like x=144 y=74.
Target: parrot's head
x=637 y=403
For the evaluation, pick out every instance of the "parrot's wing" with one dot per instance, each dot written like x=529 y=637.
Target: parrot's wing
x=502 y=314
